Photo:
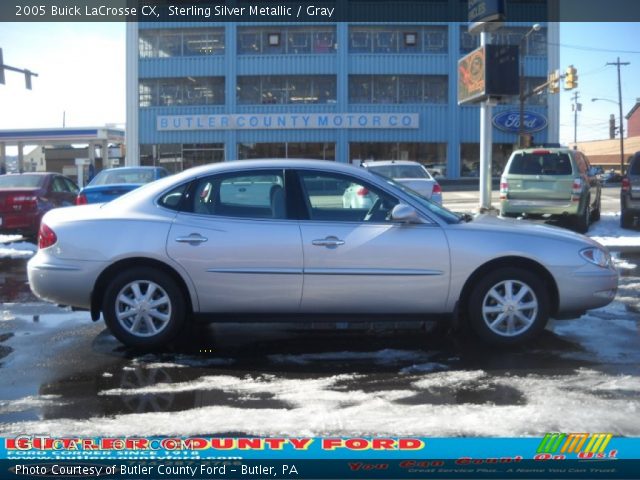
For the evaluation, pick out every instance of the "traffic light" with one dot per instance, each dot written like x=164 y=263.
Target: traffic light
x=1 y=68
x=612 y=127
x=571 y=78
x=27 y=79
x=553 y=80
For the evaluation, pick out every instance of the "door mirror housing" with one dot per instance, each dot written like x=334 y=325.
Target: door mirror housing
x=403 y=213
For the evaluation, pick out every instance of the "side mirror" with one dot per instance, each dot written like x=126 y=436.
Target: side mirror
x=405 y=214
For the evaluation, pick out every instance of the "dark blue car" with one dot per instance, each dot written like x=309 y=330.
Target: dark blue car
x=113 y=182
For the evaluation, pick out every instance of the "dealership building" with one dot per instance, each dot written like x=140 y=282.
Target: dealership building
x=199 y=93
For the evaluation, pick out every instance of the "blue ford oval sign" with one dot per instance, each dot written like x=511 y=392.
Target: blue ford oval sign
x=509 y=121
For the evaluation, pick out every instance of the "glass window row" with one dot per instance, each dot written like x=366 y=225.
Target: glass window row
x=307 y=89
x=180 y=42
x=278 y=40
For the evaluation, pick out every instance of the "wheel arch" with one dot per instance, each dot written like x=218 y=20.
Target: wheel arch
x=99 y=290
x=513 y=262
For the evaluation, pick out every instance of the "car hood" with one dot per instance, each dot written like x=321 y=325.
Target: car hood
x=526 y=228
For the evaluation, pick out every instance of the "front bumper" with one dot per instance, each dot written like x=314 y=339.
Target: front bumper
x=587 y=288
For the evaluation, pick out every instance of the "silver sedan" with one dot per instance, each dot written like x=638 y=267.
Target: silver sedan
x=272 y=240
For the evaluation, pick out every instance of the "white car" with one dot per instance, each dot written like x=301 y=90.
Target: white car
x=412 y=174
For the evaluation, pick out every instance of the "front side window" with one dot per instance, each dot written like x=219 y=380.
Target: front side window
x=241 y=194
x=340 y=198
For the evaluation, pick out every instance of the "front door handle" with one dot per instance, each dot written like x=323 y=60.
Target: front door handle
x=193 y=239
x=329 y=242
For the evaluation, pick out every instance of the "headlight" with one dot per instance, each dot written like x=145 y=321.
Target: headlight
x=597 y=256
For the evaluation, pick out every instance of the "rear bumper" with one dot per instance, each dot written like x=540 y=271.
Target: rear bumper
x=540 y=207
x=28 y=223
x=66 y=283
x=628 y=203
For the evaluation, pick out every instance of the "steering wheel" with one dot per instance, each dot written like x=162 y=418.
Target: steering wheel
x=374 y=208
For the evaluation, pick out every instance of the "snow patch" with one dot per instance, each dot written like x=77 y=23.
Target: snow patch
x=607 y=232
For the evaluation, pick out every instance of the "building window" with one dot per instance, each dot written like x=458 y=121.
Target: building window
x=536 y=44
x=176 y=157
x=288 y=40
x=180 y=42
x=398 y=39
x=431 y=155
x=313 y=151
x=470 y=158
x=165 y=92
x=286 y=89
x=384 y=89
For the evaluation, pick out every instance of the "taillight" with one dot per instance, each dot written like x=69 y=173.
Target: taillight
x=23 y=202
x=362 y=192
x=504 y=189
x=46 y=236
x=81 y=199
x=626 y=184
x=576 y=189
x=436 y=188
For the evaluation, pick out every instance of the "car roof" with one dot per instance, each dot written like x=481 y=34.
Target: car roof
x=267 y=163
x=132 y=168
x=546 y=149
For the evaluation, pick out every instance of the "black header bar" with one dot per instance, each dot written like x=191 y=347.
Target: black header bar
x=324 y=11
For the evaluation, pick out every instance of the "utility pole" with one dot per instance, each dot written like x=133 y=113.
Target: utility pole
x=618 y=63
x=576 y=107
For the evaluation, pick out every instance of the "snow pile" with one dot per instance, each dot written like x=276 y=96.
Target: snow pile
x=608 y=232
x=16 y=249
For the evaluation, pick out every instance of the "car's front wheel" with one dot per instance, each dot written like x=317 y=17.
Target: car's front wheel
x=508 y=306
x=144 y=308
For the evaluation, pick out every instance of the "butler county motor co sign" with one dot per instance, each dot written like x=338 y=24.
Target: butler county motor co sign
x=287 y=121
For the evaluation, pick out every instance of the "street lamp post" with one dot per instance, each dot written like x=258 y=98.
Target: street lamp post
x=522 y=97
x=621 y=129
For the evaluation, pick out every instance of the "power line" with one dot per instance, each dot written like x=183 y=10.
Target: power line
x=592 y=49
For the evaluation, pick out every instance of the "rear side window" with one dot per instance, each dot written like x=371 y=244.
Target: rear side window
x=547 y=163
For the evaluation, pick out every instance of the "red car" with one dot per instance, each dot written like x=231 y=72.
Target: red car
x=26 y=197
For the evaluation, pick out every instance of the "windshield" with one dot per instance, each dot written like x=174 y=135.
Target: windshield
x=445 y=214
x=129 y=175
x=21 y=181
x=400 y=171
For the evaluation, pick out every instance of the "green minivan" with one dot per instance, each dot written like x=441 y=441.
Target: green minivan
x=551 y=182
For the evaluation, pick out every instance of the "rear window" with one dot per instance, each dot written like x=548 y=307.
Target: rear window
x=400 y=171
x=635 y=166
x=21 y=181
x=108 y=177
x=549 y=163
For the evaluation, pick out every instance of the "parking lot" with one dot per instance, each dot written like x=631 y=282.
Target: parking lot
x=63 y=374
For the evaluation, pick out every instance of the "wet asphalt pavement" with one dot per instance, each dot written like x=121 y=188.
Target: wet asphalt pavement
x=63 y=374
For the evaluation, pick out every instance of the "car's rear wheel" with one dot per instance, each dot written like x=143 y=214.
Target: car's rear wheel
x=626 y=219
x=144 y=308
x=595 y=214
x=582 y=220
x=508 y=306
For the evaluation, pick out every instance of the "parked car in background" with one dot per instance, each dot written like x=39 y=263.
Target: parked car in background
x=551 y=182
x=630 y=194
x=269 y=240
x=611 y=177
x=412 y=174
x=113 y=182
x=26 y=197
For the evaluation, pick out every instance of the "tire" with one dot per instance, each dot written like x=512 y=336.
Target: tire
x=626 y=219
x=152 y=326
x=522 y=319
x=595 y=214
x=582 y=220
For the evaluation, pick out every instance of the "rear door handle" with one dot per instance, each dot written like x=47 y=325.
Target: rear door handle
x=329 y=242
x=193 y=239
